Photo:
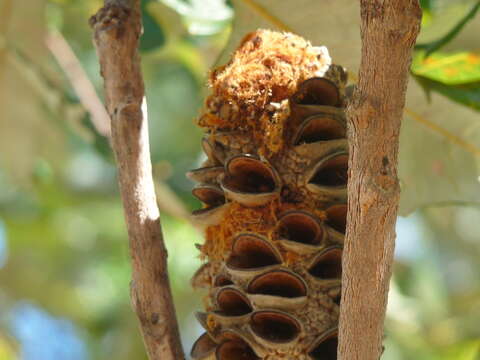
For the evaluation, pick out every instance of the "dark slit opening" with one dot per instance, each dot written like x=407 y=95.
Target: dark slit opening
x=320 y=128
x=326 y=349
x=222 y=280
x=300 y=227
x=202 y=346
x=333 y=172
x=337 y=299
x=317 y=91
x=337 y=217
x=278 y=283
x=232 y=303
x=328 y=265
x=250 y=252
x=275 y=327
x=235 y=350
x=210 y=196
x=249 y=176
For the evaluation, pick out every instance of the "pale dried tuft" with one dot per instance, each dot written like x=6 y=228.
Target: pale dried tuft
x=266 y=68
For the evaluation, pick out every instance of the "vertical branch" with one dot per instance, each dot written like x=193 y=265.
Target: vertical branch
x=389 y=29
x=117 y=28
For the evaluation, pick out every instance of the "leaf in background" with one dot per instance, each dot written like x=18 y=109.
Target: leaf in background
x=438 y=158
x=469 y=350
x=450 y=69
x=456 y=76
x=99 y=142
x=426 y=5
x=178 y=47
x=202 y=17
x=437 y=44
x=6 y=349
x=153 y=36
x=465 y=94
x=28 y=100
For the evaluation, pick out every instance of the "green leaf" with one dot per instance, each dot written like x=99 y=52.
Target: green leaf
x=153 y=36
x=464 y=351
x=465 y=94
x=426 y=4
x=437 y=44
x=451 y=69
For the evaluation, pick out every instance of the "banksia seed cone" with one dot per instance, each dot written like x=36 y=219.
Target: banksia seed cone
x=274 y=193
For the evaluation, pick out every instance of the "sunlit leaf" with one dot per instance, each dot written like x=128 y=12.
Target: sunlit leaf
x=456 y=76
x=451 y=69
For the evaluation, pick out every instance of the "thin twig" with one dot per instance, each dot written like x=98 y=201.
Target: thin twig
x=452 y=138
x=5 y=16
x=264 y=13
x=117 y=28
x=79 y=80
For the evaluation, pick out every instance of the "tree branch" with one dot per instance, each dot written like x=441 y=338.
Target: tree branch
x=80 y=82
x=389 y=29
x=117 y=28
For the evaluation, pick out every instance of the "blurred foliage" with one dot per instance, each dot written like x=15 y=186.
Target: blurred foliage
x=444 y=39
x=454 y=75
x=153 y=36
x=64 y=263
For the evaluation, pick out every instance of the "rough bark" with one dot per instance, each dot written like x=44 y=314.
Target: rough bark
x=117 y=29
x=389 y=29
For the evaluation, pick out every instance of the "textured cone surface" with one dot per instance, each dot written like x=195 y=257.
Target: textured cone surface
x=276 y=149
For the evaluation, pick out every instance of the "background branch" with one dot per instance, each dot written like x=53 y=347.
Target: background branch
x=117 y=28
x=389 y=29
x=79 y=80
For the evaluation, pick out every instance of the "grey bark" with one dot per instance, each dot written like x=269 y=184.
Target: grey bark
x=117 y=28
x=389 y=29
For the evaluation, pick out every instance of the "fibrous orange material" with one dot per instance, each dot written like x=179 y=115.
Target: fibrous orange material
x=267 y=68
x=263 y=72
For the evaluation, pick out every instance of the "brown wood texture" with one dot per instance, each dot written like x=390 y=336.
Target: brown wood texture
x=117 y=28
x=389 y=29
